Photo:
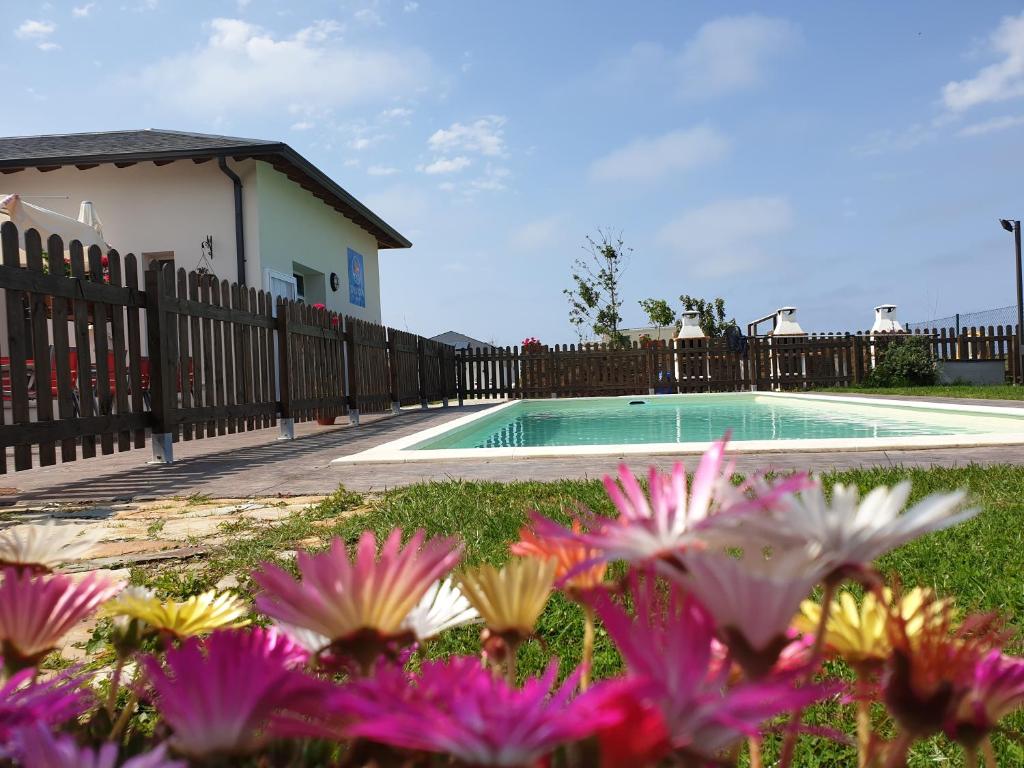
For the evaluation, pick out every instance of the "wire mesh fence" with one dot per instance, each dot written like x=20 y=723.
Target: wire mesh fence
x=1001 y=316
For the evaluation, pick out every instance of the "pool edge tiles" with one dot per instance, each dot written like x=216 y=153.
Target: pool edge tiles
x=406 y=449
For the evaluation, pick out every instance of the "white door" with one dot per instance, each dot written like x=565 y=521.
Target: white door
x=278 y=284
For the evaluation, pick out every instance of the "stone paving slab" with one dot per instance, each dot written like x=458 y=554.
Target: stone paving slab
x=255 y=464
x=132 y=534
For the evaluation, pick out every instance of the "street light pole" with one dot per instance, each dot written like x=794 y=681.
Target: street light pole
x=1014 y=226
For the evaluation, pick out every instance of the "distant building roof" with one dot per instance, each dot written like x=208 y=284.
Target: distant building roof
x=123 y=148
x=461 y=340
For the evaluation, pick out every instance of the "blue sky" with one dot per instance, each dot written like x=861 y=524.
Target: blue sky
x=831 y=156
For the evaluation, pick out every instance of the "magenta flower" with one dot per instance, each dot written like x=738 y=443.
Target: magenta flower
x=37 y=611
x=672 y=518
x=219 y=695
x=996 y=690
x=50 y=703
x=37 y=747
x=458 y=708
x=361 y=603
x=667 y=646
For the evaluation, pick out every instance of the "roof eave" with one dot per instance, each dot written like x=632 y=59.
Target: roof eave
x=387 y=236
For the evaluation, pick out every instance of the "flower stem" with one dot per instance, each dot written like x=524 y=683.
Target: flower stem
x=754 y=747
x=863 y=722
x=588 y=646
x=970 y=757
x=793 y=730
x=126 y=715
x=989 y=752
x=898 y=749
x=115 y=684
x=510 y=663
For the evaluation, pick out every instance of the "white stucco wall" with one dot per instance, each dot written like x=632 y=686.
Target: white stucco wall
x=146 y=208
x=295 y=227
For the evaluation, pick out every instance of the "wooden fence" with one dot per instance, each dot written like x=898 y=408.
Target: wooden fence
x=218 y=358
x=710 y=365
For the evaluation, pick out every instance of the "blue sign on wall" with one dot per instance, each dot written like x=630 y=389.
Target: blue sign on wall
x=356 y=279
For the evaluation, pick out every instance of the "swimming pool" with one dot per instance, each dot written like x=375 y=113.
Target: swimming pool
x=688 y=423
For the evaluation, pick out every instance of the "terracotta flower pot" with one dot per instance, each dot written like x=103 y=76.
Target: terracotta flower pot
x=326 y=421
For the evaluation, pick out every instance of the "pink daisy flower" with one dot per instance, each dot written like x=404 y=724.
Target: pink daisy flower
x=359 y=603
x=50 y=703
x=36 y=611
x=996 y=690
x=458 y=708
x=673 y=518
x=219 y=695
x=753 y=599
x=667 y=646
x=37 y=747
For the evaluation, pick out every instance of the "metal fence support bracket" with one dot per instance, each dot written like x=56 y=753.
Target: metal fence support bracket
x=163 y=448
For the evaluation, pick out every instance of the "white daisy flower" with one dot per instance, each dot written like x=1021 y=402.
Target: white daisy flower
x=44 y=547
x=442 y=607
x=849 y=532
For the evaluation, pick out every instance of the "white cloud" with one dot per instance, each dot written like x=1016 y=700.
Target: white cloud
x=381 y=170
x=81 y=11
x=243 y=68
x=242 y=4
x=726 y=54
x=646 y=159
x=727 y=236
x=447 y=165
x=410 y=6
x=1001 y=81
x=484 y=136
x=302 y=125
x=994 y=125
x=369 y=17
x=31 y=29
x=48 y=46
x=396 y=113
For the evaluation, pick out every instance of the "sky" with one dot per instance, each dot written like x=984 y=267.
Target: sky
x=828 y=156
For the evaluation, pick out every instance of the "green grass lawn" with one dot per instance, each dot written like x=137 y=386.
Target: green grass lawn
x=980 y=562
x=988 y=392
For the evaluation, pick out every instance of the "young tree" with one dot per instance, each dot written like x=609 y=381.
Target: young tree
x=710 y=314
x=659 y=312
x=595 y=299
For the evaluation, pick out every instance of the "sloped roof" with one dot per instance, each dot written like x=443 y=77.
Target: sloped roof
x=123 y=148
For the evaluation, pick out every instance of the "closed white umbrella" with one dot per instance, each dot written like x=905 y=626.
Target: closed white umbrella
x=28 y=216
x=88 y=216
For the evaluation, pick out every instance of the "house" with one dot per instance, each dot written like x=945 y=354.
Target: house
x=249 y=210
x=461 y=340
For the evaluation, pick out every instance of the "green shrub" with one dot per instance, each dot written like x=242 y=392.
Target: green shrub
x=906 y=362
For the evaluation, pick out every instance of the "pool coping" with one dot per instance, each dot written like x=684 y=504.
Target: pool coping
x=396 y=451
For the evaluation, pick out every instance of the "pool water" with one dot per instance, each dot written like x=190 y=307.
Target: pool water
x=702 y=418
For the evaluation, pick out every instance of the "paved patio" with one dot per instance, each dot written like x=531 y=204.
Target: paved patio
x=255 y=464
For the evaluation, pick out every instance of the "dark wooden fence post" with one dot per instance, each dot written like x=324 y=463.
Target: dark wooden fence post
x=460 y=374
x=284 y=367
x=353 y=378
x=421 y=366
x=163 y=354
x=393 y=370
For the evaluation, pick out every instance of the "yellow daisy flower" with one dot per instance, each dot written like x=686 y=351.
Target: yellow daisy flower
x=859 y=633
x=195 y=616
x=510 y=600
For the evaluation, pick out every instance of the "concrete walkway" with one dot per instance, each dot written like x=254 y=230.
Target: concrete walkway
x=255 y=464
